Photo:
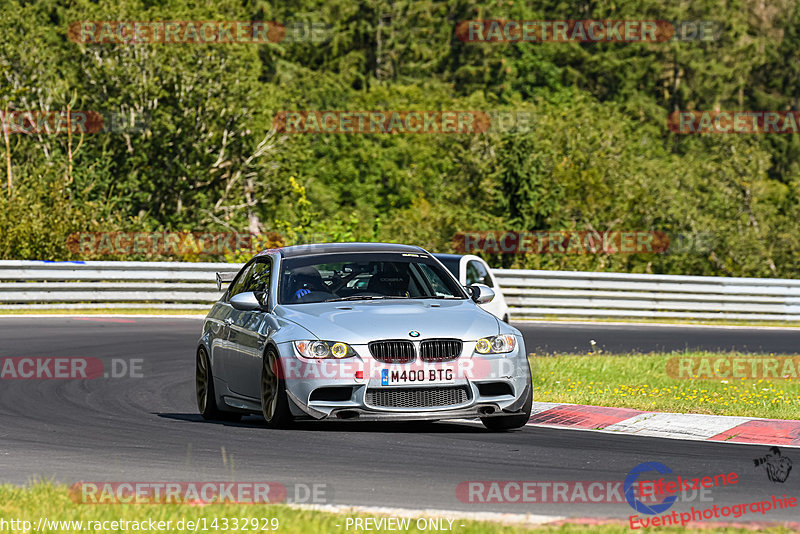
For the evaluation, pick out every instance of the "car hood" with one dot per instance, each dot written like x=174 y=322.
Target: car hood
x=359 y=322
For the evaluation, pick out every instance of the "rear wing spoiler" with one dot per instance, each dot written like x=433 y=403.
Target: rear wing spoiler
x=224 y=278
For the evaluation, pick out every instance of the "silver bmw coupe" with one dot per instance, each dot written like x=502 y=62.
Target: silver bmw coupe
x=359 y=331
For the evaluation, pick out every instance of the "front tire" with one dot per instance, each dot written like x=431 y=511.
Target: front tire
x=509 y=422
x=274 y=401
x=204 y=389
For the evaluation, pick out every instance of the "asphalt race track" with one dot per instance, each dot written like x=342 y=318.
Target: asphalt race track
x=146 y=428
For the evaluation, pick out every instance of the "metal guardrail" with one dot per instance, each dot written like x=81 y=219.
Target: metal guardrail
x=534 y=294
x=530 y=294
x=109 y=284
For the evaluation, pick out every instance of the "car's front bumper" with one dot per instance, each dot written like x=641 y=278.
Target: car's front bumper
x=489 y=385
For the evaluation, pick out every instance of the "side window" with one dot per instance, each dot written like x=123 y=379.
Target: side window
x=258 y=279
x=472 y=274
x=238 y=284
x=477 y=274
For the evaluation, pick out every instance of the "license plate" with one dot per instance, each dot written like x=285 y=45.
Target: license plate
x=392 y=377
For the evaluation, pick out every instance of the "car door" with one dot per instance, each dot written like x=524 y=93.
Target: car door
x=248 y=332
x=221 y=343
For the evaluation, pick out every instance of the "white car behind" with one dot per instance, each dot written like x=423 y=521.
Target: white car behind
x=470 y=269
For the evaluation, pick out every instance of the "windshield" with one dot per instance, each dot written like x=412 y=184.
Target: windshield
x=365 y=276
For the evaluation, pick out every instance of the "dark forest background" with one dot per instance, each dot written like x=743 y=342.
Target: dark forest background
x=599 y=157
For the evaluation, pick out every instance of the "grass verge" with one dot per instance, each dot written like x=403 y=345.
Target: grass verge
x=641 y=381
x=52 y=502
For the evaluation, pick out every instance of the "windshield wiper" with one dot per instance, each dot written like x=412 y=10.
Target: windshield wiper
x=451 y=297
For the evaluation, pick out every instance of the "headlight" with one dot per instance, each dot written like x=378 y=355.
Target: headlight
x=318 y=350
x=496 y=344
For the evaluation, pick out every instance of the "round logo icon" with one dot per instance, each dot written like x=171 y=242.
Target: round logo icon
x=630 y=483
x=413 y=333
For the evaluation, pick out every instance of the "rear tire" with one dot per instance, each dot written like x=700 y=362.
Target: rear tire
x=204 y=388
x=274 y=400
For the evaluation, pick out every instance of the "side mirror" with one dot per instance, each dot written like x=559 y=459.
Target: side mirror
x=224 y=278
x=481 y=293
x=246 y=301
